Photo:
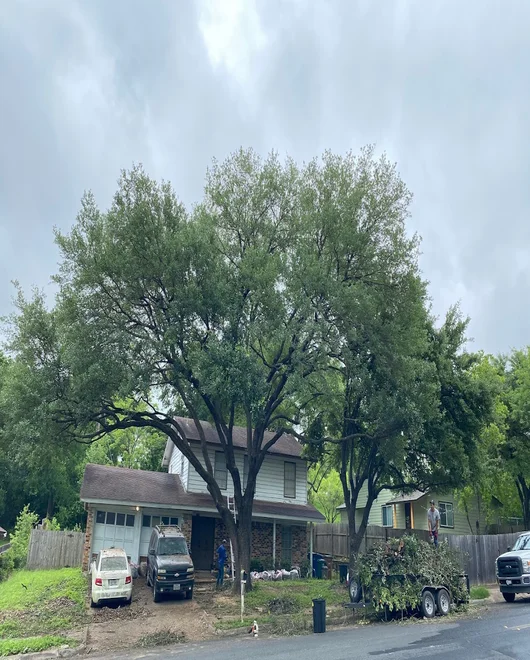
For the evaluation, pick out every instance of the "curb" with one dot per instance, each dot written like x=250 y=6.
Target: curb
x=61 y=652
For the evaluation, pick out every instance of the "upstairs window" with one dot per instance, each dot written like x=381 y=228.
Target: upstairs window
x=289 y=480
x=220 y=471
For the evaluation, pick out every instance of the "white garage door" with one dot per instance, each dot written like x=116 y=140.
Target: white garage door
x=114 y=529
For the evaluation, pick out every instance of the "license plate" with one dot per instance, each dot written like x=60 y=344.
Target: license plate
x=113 y=583
x=176 y=587
x=508 y=581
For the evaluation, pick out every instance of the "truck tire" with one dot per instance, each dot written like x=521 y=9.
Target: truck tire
x=443 y=602
x=428 y=606
x=157 y=596
x=508 y=597
x=355 y=590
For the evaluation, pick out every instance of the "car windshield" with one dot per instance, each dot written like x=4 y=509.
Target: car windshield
x=113 y=564
x=173 y=546
x=522 y=543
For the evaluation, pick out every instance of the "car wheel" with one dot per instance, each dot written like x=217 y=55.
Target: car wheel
x=189 y=594
x=428 y=606
x=92 y=604
x=147 y=578
x=443 y=602
x=355 y=590
x=509 y=598
x=128 y=601
x=156 y=594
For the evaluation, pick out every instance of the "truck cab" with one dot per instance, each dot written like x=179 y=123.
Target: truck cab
x=513 y=569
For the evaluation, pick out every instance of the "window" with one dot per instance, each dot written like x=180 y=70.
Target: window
x=287 y=545
x=130 y=520
x=245 y=472
x=220 y=472
x=100 y=517
x=151 y=521
x=289 y=480
x=447 y=518
x=111 y=518
x=172 y=546
x=113 y=564
x=388 y=516
x=120 y=519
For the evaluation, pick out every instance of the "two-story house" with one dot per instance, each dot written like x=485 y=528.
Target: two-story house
x=123 y=505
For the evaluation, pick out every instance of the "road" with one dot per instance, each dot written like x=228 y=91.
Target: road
x=503 y=632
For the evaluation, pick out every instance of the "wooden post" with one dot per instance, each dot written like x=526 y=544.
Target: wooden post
x=274 y=545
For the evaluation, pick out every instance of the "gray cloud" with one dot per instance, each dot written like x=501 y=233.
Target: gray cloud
x=90 y=87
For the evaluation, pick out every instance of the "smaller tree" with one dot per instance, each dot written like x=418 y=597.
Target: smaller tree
x=26 y=521
x=325 y=491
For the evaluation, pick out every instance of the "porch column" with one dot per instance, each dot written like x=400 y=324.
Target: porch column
x=311 y=549
x=274 y=544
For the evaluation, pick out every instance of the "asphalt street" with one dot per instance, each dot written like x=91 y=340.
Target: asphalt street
x=503 y=631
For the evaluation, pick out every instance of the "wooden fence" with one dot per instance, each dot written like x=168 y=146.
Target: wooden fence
x=49 y=549
x=477 y=553
x=5 y=547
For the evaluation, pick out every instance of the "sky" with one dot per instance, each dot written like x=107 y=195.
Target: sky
x=443 y=87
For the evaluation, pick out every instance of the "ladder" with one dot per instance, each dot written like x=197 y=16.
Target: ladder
x=231 y=503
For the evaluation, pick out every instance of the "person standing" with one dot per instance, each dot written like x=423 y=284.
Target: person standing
x=433 y=518
x=221 y=559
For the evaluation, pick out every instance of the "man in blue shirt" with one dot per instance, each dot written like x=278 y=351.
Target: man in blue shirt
x=221 y=559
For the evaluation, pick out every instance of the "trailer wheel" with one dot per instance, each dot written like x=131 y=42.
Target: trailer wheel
x=428 y=606
x=443 y=601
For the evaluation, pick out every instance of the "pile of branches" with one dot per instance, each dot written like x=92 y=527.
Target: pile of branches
x=393 y=573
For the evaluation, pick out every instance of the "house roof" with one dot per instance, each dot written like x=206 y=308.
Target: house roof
x=411 y=497
x=287 y=445
x=2 y=531
x=103 y=483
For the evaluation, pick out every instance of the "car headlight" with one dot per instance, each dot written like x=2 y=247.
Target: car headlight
x=162 y=570
x=190 y=569
x=526 y=566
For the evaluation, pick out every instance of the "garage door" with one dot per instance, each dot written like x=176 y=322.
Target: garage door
x=114 y=529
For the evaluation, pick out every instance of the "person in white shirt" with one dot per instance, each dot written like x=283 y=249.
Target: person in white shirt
x=433 y=518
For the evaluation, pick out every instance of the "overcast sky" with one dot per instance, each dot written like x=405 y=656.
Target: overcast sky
x=88 y=88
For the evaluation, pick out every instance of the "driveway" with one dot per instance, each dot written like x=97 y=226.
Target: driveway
x=119 y=627
x=497 y=631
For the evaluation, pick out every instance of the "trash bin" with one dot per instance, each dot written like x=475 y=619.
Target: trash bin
x=320 y=567
x=319 y=615
x=343 y=572
x=316 y=558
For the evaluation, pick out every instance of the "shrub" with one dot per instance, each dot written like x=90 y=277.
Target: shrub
x=394 y=573
x=478 y=593
x=26 y=521
x=256 y=565
x=6 y=564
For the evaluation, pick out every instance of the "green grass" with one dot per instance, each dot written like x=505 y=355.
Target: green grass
x=32 y=644
x=42 y=603
x=478 y=593
x=25 y=589
x=293 y=595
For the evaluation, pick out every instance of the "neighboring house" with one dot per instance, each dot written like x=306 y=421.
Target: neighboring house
x=124 y=505
x=3 y=533
x=410 y=512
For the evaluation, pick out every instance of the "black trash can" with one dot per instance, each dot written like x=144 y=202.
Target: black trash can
x=319 y=615
x=343 y=572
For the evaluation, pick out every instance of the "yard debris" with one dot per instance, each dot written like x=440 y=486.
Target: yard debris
x=282 y=574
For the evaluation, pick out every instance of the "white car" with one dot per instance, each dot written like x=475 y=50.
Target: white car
x=111 y=577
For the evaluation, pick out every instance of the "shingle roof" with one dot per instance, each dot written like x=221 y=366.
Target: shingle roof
x=412 y=497
x=287 y=445
x=106 y=483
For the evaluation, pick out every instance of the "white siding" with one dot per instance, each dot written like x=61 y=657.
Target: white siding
x=269 y=486
x=179 y=465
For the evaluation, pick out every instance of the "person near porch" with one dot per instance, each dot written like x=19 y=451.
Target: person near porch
x=221 y=559
x=433 y=518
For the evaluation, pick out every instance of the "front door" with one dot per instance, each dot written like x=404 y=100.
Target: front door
x=408 y=518
x=202 y=540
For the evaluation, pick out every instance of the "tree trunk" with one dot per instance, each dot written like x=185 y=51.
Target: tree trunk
x=356 y=537
x=51 y=506
x=523 y=490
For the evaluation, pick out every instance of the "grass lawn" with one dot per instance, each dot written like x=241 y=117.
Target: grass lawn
x=40 y=603
x=289 y=596
x=478 y=593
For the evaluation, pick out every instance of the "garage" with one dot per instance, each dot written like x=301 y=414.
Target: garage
x=114 y=529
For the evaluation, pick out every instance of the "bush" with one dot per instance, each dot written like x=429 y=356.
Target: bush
x=26 y=521
x=256 y=565
x=394 y=573
x=477 y=593
x=6 y=564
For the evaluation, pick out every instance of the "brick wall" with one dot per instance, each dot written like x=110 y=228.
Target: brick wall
x=88 y=539
x=262 y=535
x=185 y=526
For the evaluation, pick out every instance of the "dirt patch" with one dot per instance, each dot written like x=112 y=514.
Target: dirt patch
x=126 y=626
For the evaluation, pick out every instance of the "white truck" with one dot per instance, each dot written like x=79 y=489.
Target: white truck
x=513 y=569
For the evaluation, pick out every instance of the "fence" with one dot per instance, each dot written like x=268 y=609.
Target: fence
x=5 y=547
x=477 y=553
x=49 y=549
